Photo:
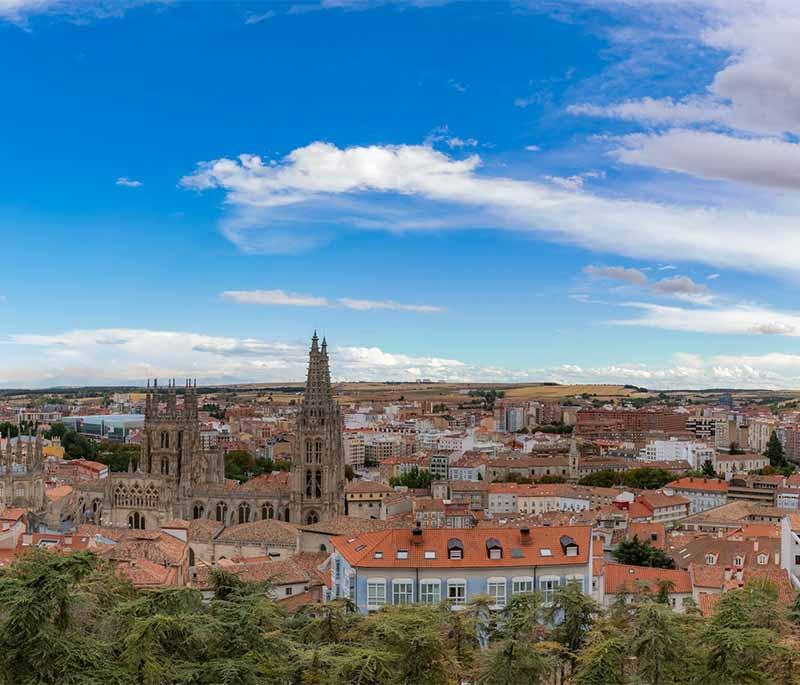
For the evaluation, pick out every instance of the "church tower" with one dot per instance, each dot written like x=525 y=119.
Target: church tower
x=318 y=460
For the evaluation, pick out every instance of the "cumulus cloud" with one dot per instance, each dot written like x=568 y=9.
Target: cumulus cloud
x=126 y=182
x=282 y=298
x=273 y=205
x=616 y=273
x=769 y=162
x=84 y=357
x=743 y=125
x=678 y=284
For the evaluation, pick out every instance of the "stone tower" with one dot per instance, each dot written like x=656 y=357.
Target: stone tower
x=318 y=461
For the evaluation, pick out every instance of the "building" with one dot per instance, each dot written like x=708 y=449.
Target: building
x=354 y=449
x=695 y=454
x=754 y=488
x=22 y=475
x=364 y=498
x=175 y=478
x=612 y=423
x=658 y=507
x=702 y=493
x=430 y=566
x=630 y=581
x=115 y=427
x=726 y=465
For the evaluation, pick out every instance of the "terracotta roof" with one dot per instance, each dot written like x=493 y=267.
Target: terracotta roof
x=699 y=484
x=180 y=524
x=367 y=486
x=360 y=550
x=144 y=573
x=276 y=482
x=654 y=533
x=203 y=530
x=468 y=485
x=657 y=500
x=756 y=530
x=154 y=546
x=726 y=550
x=266 y=531
x=347 y=525
x=622 y=577
x=707 y=602
x=12 y=514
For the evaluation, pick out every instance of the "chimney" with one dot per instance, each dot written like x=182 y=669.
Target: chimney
x=525 y=535
x=755 y=545
x=416 y=535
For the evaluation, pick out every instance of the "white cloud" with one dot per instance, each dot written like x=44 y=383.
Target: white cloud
x=769 y=162
x=678 y=285
x=128 y=183
x=278 y=206
x=20 y=11
x=457 y=85
x=365 y=305
x=738 y=320
x=258 y=18
x=617 y=273
x=274 y=297
x=282 y=298
x=712 y=277
x=128 y=356
x=532 y=148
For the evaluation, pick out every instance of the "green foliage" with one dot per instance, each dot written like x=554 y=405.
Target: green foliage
x=242 y=466
x=641 y=553
x=70 y=619
x=414 y=478
x=644 y=479
x=777 y=458
x=708 y=469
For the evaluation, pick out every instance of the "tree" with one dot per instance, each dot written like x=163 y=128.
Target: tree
x=602 y=660
x=656 y=643
x=774 y=451
x=572 y=613
x=708 y=469
x=414 y=479
x=641 y=553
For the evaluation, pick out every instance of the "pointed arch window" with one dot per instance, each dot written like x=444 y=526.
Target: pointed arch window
x=309 y=451
x=165 y=466
x=312 y=517
x=286 y=516
x=318 y=484
x=244 y=512
x=267 y=511
x=164 y=440
x=198 y=511
x=222 y=512
x=136 y=521
x=309 y=484
x=318 y=451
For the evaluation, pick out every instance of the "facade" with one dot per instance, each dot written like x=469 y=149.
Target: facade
x=728 y=464
x=405 y=566
x=694 y=453
x=702 y=493
x=175 y=477
x=22 y=475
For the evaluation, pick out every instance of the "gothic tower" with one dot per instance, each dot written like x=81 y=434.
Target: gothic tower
x=318 y=460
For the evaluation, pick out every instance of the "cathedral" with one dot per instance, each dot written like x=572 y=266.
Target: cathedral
x=175 y=477
x=22 y=474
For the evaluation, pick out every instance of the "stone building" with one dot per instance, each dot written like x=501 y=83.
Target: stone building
x=22 y=474
x=177 y=477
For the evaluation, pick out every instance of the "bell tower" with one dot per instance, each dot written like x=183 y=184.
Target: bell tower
x=318 y=460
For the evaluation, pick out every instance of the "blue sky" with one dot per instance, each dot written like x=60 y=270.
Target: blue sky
x=595 y=191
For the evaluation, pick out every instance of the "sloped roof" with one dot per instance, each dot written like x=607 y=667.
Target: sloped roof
x=626 y=578
x=266 y=531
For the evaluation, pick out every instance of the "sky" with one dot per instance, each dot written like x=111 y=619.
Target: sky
x=582 y=191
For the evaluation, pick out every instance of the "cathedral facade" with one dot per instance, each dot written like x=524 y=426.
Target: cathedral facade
x=175 y=477
x=22 y=474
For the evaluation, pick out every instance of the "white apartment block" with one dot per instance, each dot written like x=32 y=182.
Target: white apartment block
x=694 y=453
x=354 y=449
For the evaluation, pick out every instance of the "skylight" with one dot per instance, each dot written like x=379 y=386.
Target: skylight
x=546 y=552
x=378 y=555
x=430 y=554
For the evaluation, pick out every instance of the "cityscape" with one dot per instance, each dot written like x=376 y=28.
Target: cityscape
x=400 y=342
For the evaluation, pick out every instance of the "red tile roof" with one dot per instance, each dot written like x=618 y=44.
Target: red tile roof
x=699 y=484
x=359 y=551
x=625 y=578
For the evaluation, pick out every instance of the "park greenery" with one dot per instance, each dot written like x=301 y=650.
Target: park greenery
x=413 y=478
x=645 y=478
x=69 y=619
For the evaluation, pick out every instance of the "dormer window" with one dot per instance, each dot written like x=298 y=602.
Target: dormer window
x=494 y=549
x=738 y=560
x=430 y=554
x=402 y=554
x=455 y=549
x=568 y=546
x=762 y=559
x=711 y=559
x=378 y=555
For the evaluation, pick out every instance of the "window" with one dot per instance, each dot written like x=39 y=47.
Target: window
x=289 y=590
x=402 y=591
x=430 y=591
x=430 y=554
x=378 y=555
x=457 y=591
x=376 y=592
x=521 y=585
x=494 y=549
x=578 y=580
x=351 y=587
x=402 y=554
x=496 y=589
x=711 y=559
x=738 y=560
x=455 y=549
x=548 y=586
x=546 y=552
x=762 y=559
